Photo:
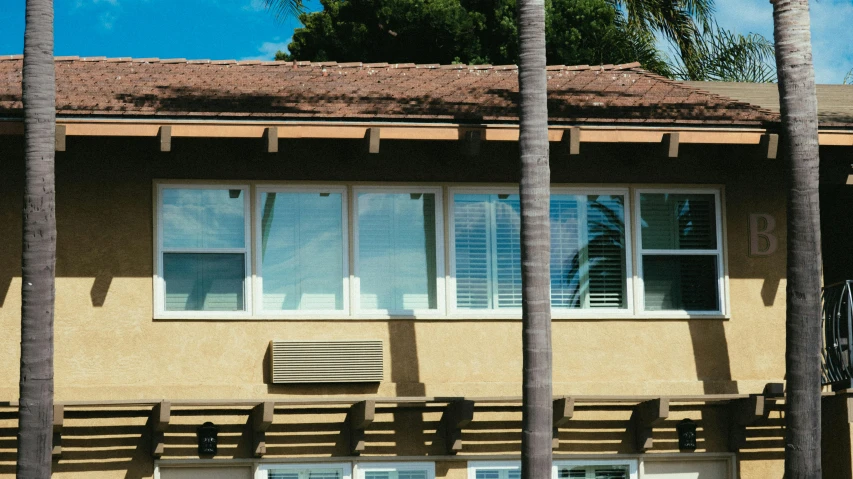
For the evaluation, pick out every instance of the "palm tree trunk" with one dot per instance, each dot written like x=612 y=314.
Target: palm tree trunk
x=798 y=102
x=537 y=417
x=35 y=414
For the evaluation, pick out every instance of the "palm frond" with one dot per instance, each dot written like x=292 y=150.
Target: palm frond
x=848 y=78
x=283 y=9
x=722 y=55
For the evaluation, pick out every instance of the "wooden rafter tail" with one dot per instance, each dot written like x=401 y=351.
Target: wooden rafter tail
x=770 y=145
x=745 y=412
x=164 y=134
x=271 y=139
x=58 y=423
x=670 y=143
x=571 y=141
x=564 y=410
x=371 y=140
x=262 y=417
x=160 y=417
x=457 y=415
x=360 y=417
x=645 y=417
x=471 y=142
x=60 y=137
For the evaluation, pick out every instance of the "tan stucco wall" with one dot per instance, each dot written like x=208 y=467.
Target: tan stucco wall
x=109 y=347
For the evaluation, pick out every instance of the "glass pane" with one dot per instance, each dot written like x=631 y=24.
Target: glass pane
x=397 y=251
x=498 y=474
x=280 y=474
x=473 y=248
x=411 y=475
x=204 y=282
x=508 y=251
x=593 y=472
x=302 y=251
x=678 y=221
x=325 y=474
x=569 y=265
x=605 y=249
x=197 y=218
x=678 y=283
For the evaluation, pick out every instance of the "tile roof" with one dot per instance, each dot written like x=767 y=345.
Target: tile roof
x=204 y=89
x=834 y=102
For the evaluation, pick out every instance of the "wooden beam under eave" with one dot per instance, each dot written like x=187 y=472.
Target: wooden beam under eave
x=271 y=139
x=60 y=137
x=571 y=141
x=165 y=137
x=160 y=417
x=371 y=140
x=262 y=417
x=645 y=417
x=770 y=145
x=360 y=417
x=471 y=141
x=457 y=415
x=670 y=143
x=564 y=410
x=58 y=423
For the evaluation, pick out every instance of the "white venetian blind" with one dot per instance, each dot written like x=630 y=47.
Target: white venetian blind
x=508 y=251
x=473 y=248
x=310 y=473
x=502 y=473
x=397 y=251
x=568 y=262
x=606 y=251
x=592 y=472
x=401 y=474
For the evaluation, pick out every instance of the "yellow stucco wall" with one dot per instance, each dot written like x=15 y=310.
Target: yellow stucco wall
x=108 y=346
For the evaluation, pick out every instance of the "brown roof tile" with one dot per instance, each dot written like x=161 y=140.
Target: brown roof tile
x=363 y=92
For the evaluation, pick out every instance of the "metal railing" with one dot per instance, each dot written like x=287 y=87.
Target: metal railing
x=837 y=367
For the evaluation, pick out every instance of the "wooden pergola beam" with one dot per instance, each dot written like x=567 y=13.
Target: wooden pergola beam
x=58 y=423
x=262 y=417
x=745 y=412
x=564 y=409
x=360 y=417
x=645 y=417
x=160 y=416
x=457 y=415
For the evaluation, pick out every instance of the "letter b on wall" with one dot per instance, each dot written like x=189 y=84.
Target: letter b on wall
x=762 y=240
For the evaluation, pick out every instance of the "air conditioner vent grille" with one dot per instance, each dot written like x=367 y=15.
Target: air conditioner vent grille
x=326 y=361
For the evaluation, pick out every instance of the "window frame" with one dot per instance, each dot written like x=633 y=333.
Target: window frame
x=356 y=312
x=160 y=311
x=720 y=252
x=556 y=313
x=445 y=251
x=361 y=467
x=262 y=471
x=633 y=465
x=474 y=466
x=257 y=272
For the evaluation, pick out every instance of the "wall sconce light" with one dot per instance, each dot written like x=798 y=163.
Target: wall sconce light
x=686 y=435
x=207 y=439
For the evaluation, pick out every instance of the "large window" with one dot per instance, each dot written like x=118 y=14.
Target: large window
x=562 y=469
x=404 y=470
x=336 y=251
x=588 y=250
x=304 y=471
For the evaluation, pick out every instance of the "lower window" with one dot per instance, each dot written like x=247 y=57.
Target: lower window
x=411 y=470
x=600 y=469
x=305 y=471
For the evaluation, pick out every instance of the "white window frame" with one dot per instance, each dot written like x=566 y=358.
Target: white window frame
x=262 y=471
x=556 y=313
x=474 y=466
x=362 y=467
x=160 y=311
x=633 y=465
x=259 y=311
x=355 y=282
x=719 y=252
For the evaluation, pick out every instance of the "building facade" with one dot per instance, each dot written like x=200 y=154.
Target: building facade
x=322 y=262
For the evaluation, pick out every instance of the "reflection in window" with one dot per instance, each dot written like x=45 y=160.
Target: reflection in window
x=302 y=251
x=587 y=251
x=204 y=249
x=397 y=251
x=680 y=252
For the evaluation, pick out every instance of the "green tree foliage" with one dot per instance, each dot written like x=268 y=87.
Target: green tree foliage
x=467 y=31
x=722 y=55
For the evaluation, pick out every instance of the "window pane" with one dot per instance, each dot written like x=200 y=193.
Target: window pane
x=508 y=250
x=593 y=472
x=587 y=252
x=472 y=221
x=197 y=218
x=204 y=282
x=678 y=221
x=279 y=474
x=404 y=474
x=325 y=474
x=302 y=251
x=680 y=283
x=397 y=251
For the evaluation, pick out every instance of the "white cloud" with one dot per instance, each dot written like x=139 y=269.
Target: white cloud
x=255 y=6
x=107 y=20
x=832 y=37
x=268 y=50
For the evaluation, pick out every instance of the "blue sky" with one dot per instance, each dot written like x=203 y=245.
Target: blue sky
x=243 y=29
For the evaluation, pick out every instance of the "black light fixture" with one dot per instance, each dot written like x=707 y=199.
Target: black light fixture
x=686 y=435
x=207 y=439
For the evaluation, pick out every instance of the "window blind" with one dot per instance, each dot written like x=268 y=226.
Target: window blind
x=593 y=472
x=302 y=251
